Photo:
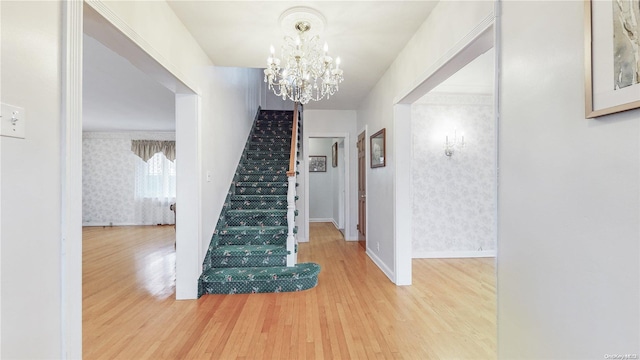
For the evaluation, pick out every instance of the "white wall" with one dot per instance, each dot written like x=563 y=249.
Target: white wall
x=432 y=41
x=330 y=123
x=108 y=177
x=568 y=245
x=30 y=178
x=454 y=198
x=321 y=184
x=228 y=113
x=273 y=102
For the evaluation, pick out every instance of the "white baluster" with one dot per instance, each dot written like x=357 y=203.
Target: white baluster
x=291 y=208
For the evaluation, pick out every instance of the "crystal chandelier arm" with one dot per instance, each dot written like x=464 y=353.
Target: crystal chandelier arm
x=307 y=71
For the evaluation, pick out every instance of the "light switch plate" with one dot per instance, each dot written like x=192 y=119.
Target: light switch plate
x=13 y=119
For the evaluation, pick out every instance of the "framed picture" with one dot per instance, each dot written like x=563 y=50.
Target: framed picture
x=334 y=155
x=317 y=163
x=612 y=82
x=378 y=149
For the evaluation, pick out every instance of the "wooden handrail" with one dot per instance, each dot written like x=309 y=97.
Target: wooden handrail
x=294 y=143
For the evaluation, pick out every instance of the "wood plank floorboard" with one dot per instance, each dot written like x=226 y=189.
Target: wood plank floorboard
x=355 y=312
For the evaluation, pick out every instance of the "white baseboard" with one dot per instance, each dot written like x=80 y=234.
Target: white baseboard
x=352 y=237
x=321 y=220
x=453 y=254
x=107 y=224
x=301 y=240
x=385 y=269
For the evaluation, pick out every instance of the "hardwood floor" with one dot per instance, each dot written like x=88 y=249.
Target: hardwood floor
x=355 y=312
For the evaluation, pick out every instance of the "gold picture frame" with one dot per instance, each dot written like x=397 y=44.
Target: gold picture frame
x=334 y=155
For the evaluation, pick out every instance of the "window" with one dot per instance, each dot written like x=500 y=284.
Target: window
x=156 y=178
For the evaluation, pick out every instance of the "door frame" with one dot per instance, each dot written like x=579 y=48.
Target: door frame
x=362 y=133
x=347 y=177
x=188 y=117
x=478 y=41
x=367 y=159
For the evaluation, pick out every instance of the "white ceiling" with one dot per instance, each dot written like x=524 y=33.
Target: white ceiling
x=367 y=35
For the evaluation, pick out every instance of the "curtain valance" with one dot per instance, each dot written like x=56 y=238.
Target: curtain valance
x=145 y=149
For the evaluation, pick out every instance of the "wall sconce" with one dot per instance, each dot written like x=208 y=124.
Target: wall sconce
x=451 y=146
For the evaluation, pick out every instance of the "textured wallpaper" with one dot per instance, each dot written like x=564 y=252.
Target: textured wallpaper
x=108 y=177
x=454 y=208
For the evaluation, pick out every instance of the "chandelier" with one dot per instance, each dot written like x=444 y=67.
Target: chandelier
x=306 y=71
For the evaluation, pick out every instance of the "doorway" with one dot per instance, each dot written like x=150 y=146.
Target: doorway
x=326 y=193
x=97 y=24
x=81 y=17
x=326 y=179
x=480 y=41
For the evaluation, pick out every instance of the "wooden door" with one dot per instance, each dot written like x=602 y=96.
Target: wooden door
x=362 y=191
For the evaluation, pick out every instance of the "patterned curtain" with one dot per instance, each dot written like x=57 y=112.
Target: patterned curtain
x=145 y=149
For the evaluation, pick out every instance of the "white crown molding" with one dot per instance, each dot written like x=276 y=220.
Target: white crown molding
x=439 y=98
x=475 y=89
x=131 y=135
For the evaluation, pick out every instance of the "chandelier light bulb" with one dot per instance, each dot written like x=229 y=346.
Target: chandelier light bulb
x=326 y=48
x=337 y=63
x=273 y=50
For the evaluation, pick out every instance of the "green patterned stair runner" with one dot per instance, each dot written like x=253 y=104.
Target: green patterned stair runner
x=247 y=253
x=259 y=279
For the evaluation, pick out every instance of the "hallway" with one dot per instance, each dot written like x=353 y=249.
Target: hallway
x=129 y=309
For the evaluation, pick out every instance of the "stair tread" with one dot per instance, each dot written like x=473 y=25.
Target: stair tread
x=253 y=172
x=253 y=230
x=270 y=160
x=302 y=270
x=261 y=183
x=254 y=211
x=280 y=152
x=258 y=197
x=249 y=250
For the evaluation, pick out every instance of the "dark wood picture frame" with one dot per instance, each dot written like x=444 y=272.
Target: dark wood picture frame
x=378 y=149
x=334 y=155
x=317 y=163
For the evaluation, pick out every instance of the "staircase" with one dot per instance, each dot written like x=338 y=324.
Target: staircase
x=248 y=250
